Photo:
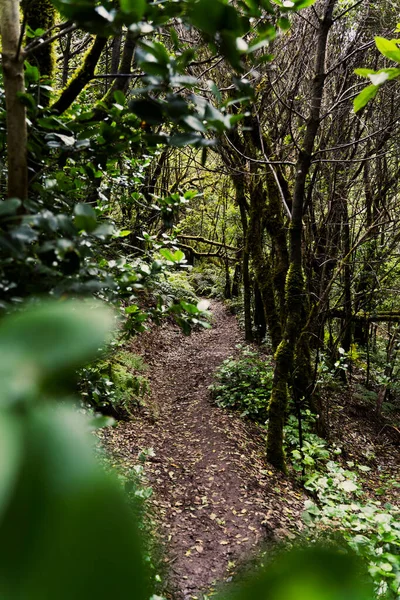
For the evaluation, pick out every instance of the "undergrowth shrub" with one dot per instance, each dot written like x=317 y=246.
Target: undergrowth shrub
x=313 y=451
x=244 y=384
x=340 y=510
x=208 y=280
x=139 y=492
x=177 y=285
x=116 y=384
x=370 y=528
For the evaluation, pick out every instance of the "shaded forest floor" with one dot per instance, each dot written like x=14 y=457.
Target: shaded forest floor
x=215 y=499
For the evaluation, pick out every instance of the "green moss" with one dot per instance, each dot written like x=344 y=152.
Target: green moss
x=40 y=14
x=116 y=384
x=129 y=385
x=81 y=77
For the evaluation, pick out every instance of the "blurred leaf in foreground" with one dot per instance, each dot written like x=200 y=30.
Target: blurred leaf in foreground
x=312 y=573
x=66 y=529
x=45 y=341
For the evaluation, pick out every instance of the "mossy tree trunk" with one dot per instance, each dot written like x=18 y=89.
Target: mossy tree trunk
x=239 y=184
x=14 y=84
x=262 y=265
x=295 y=288
x=41 y=14
x=81 y=78
x=275 y=227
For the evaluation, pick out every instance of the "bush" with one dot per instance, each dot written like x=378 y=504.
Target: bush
x=368 y=528
x=116 y=385
x=208 y=280
x=245 y=385
x=177 y=286
x=313 y=452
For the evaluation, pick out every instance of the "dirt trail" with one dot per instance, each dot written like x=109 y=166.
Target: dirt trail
x=216 y=497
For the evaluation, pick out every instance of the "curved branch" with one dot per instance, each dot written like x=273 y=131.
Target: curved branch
x=81 y=78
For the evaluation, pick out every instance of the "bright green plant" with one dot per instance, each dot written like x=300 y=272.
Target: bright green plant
x=207 y=280
x=389 y=49
x=244 y=384
x=177 y=285
x=313 y=451
x=115 y=385
x=369 y=528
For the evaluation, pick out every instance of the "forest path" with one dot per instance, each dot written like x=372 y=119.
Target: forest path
x=216 y=497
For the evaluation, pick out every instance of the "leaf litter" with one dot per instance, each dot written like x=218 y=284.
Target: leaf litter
x=216 y=499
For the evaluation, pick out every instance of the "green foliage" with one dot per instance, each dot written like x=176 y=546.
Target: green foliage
x=177 y=285
x=244 y=384
x=207 y=280
x=139 y=493
x=338 y=509
x=314 y=573
x=369 y=528
x=313 y=452
x=115 y=385
x=389 y=49
x=54 y=495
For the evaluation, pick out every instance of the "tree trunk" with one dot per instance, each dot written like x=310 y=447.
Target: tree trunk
x=14 y=84
x=125 y=68
x=40 y=14
x=81 y=78
x=295 y=289
x=262 y=264
x=240 y=200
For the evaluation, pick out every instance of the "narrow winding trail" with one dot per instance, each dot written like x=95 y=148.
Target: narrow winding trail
x=216 y=497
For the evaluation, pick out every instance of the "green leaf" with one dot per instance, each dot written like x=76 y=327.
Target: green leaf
x=348 y=486
x=184 y=139
x=60 y=508
x=135 y=8
x=10 y=454
x=364 y=72
x=313 y=573
x=167 y=254
x=47 y=340
x=120 y=97
x=387 y=567
x=9 y=207
x=31 y=72
x=104 y=230
x=284 y=24
x=388 y=48
x=85 y=217
x=298 y=4
x=149 y=110
x=364 y=97
x=207 y=15
x=122 y=233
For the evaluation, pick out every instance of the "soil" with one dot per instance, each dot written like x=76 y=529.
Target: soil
x=216 y=498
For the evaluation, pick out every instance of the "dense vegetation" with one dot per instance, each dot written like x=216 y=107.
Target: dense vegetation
x=154 y=153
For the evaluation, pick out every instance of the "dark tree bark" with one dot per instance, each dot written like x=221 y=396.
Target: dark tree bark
x=241 y=202
x=81 y=77
x=262 y=264
x=295 y=288
x=40 y=14
x=125 y=68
